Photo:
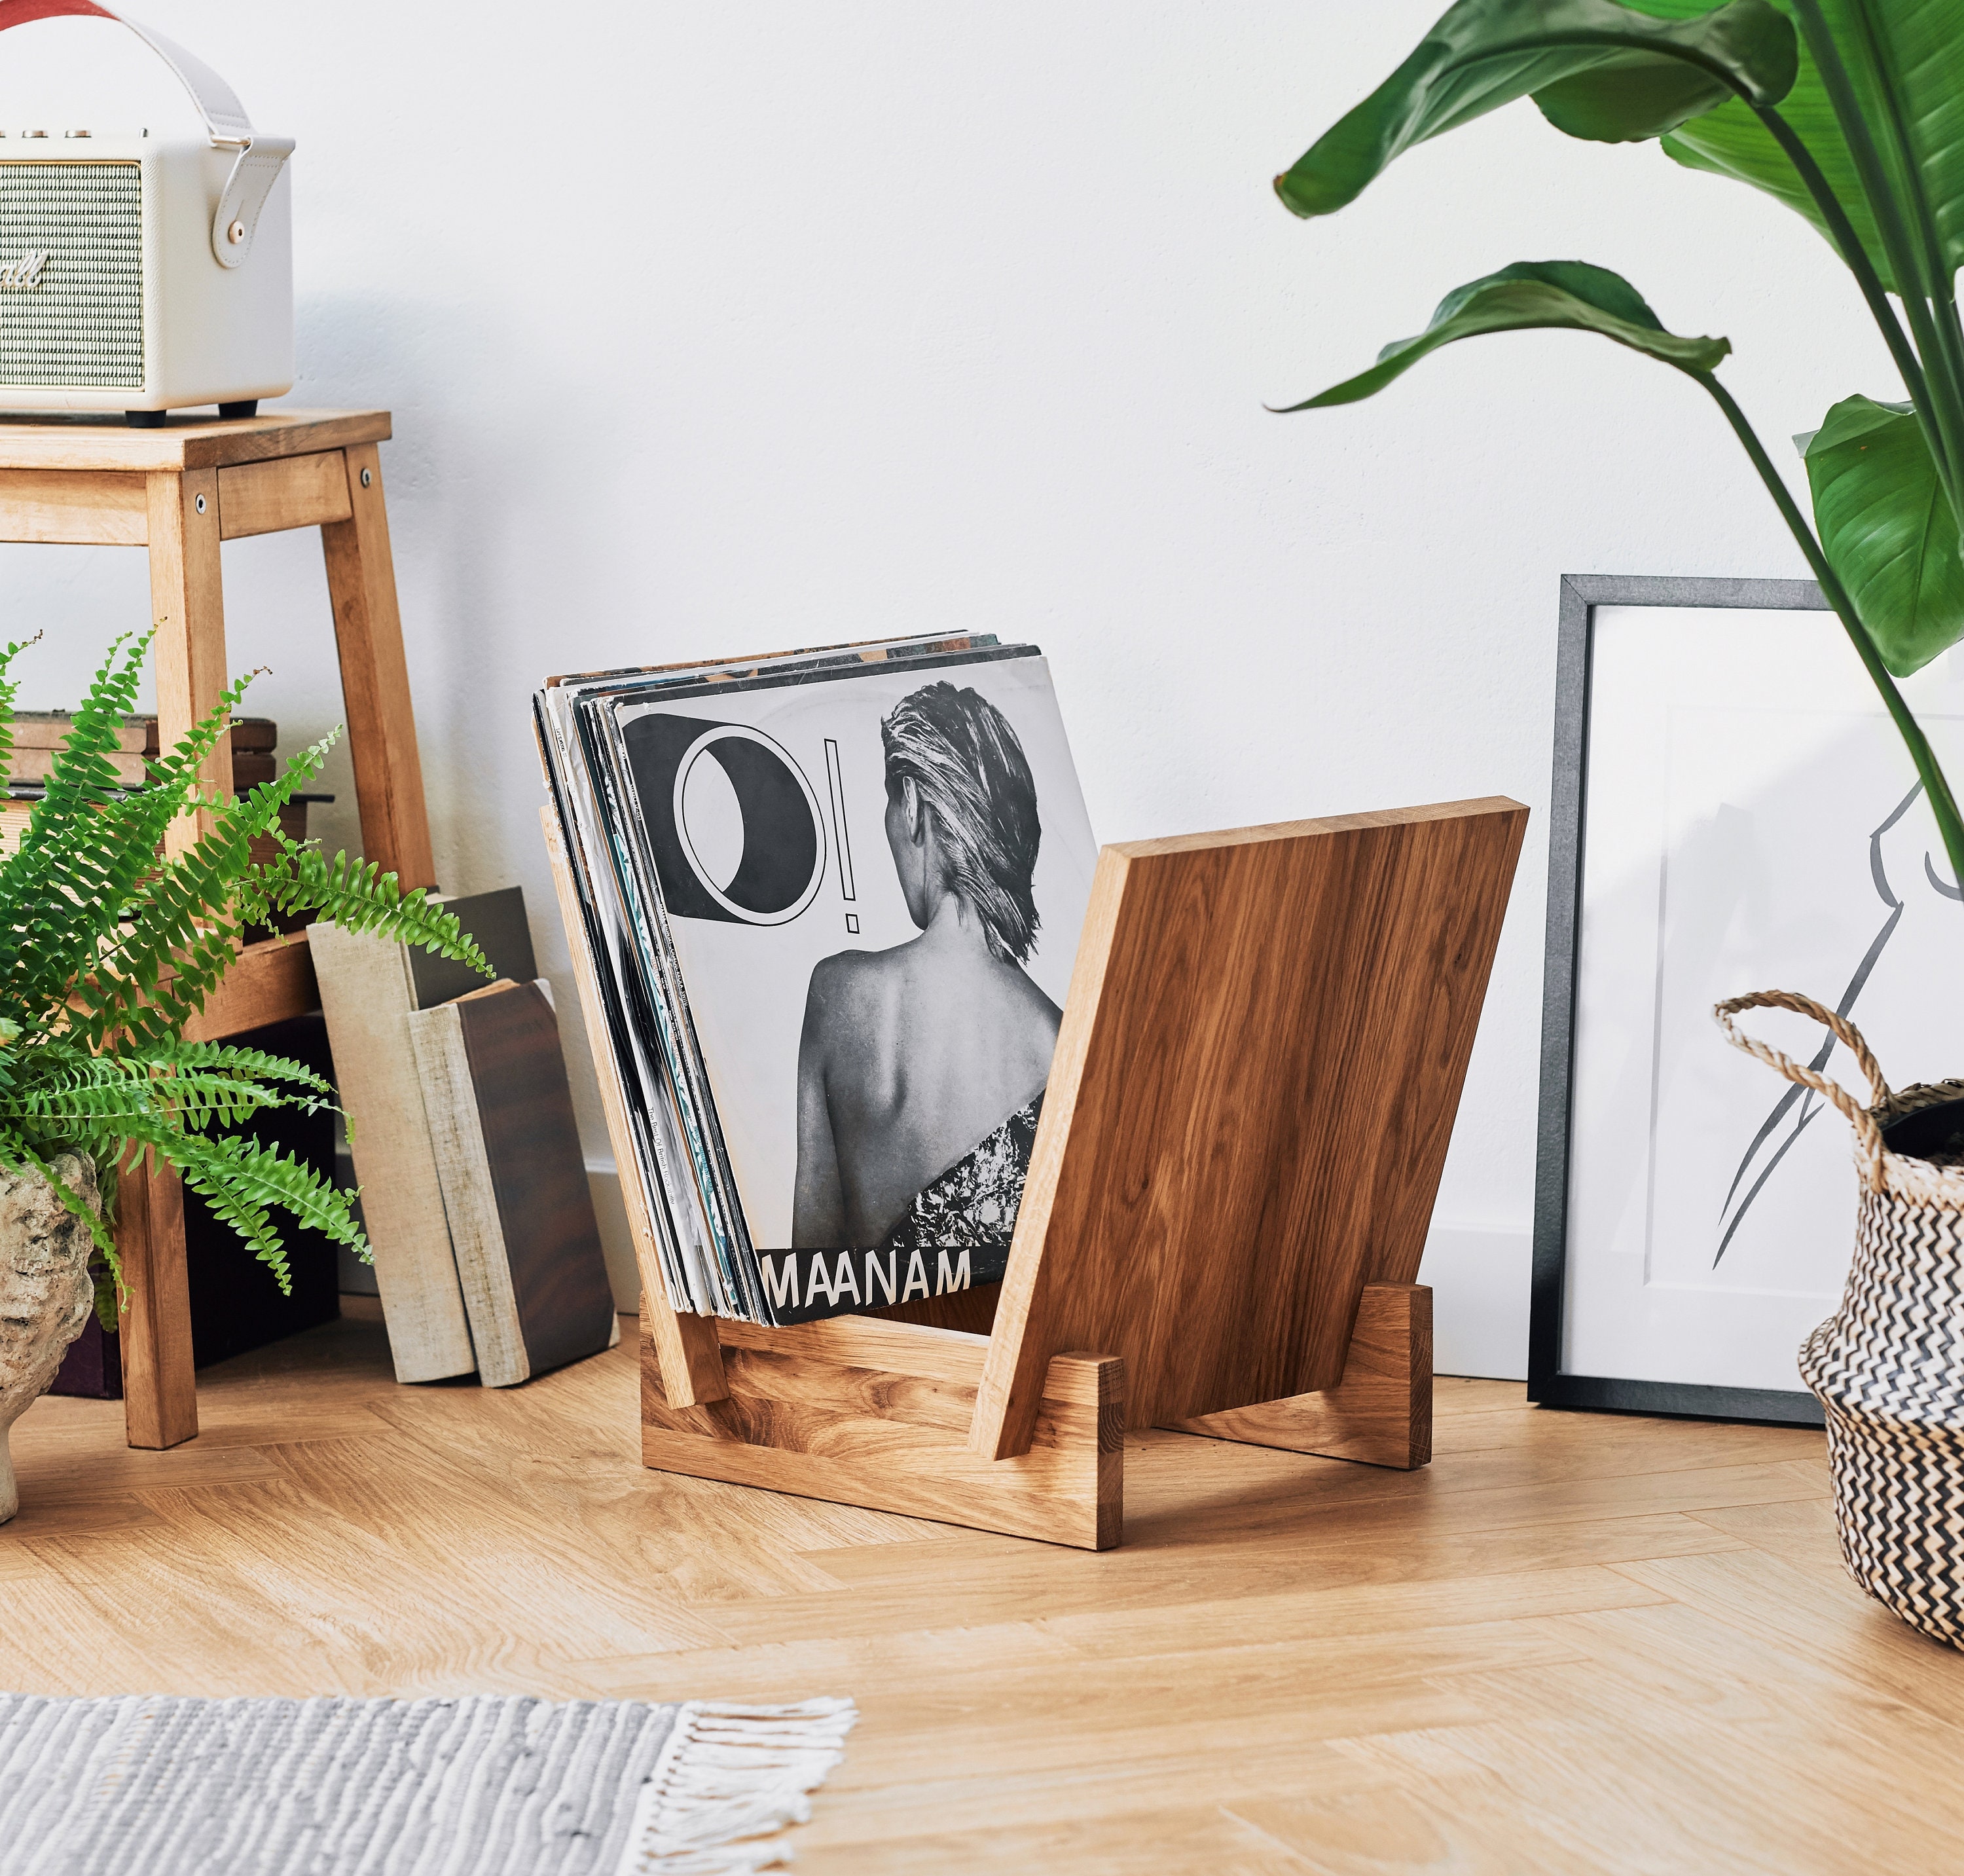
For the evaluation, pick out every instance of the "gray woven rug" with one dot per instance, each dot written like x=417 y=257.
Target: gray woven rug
x=478 y=1786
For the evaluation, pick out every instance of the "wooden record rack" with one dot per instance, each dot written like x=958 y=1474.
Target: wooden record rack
x=1254 y=1086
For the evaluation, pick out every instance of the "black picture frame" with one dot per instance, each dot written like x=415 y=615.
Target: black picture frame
x=1549 y=1384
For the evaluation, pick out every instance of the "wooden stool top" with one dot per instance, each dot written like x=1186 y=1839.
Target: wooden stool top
x=92 y=441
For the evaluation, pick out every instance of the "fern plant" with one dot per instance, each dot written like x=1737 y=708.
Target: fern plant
x=108 y=950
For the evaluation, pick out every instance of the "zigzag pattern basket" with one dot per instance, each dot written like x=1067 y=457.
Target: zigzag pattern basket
x=1889 y=1365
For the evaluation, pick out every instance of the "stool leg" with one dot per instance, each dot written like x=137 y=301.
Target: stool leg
x=159 y=1389
x=1380 y=1412
x=375 y=679
x=187 y=604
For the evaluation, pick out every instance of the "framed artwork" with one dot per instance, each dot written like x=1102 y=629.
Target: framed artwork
x=1732 y=811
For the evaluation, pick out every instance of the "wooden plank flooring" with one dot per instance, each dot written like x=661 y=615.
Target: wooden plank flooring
x=1576 y=1644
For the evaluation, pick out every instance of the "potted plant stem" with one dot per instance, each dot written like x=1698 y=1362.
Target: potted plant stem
x=106 y=952
x=1848 y=112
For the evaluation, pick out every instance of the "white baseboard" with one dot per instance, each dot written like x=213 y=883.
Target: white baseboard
x=1478 y=1275
x=615 y=1243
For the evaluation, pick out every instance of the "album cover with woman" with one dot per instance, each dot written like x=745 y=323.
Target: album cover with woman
x=874 y=880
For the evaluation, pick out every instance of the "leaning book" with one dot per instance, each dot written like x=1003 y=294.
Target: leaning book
x=829 y=902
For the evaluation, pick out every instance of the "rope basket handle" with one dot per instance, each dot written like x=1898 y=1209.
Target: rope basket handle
x=1866 y=1132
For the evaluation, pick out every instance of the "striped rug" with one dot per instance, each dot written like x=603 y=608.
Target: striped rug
x=144 y=1785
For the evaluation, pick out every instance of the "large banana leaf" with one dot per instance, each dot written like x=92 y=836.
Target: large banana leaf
x=1528 y=296
x=1599 y=70
x=1922 y=44
x=1888 y=527
x=1731 y=141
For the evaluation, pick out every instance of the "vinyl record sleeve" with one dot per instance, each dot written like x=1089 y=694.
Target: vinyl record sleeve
x=758 y=816
x=679 y=1139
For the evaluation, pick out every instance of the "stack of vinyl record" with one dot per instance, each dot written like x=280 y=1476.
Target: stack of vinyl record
x=830 y=900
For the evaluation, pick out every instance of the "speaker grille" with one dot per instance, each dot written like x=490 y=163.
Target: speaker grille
x=77 y=321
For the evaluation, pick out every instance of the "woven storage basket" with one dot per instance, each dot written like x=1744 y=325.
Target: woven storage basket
x=1889 y=1365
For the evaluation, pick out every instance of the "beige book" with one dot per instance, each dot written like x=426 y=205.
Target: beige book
x=30 y=764
x=367 y=992
x=463 y=1177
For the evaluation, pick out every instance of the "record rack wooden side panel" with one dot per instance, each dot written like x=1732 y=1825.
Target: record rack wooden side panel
x=1253 y=1090
x=1255 y=1083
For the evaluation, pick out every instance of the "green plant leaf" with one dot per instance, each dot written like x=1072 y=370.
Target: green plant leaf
x=1530 y=295
x=1923 y=43
x=1920 y=45
x=1731 y=141
x=359 y=897
x=1598 y=69
x=108 y=948
x=1888 y=529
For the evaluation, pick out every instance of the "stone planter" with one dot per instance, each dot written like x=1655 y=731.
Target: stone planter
x=46 y=1293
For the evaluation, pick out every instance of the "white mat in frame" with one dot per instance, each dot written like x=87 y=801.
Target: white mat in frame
x=1733 y=811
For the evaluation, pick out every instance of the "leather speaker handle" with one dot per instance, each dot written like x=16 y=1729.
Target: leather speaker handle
x=260 y=159
x=224 y=116
x=1866 y=1132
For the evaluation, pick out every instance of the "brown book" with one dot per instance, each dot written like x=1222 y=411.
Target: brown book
x=514 y=1180
x=30 y=763
x=250 y=769
x=48 y=729
x=14 y=816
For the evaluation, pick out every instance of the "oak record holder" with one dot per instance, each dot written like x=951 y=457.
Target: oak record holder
x=1254 y=1086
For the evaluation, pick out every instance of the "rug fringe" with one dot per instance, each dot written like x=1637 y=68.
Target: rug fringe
x=728 y=1775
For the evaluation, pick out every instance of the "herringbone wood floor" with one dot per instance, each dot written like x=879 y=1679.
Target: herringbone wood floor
x=1576 y=1644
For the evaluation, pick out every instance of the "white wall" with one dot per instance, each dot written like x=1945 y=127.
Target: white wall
x=711 y=329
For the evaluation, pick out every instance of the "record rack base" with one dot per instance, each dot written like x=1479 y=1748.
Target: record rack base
x=862 y=1412
x=1254 y=1086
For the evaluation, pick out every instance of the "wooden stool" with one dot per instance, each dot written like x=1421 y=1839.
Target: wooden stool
x=1247 y=1115
x=180 y=490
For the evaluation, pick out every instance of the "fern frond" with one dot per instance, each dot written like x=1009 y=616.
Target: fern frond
x=252 y=1064
x=87 y=846
x=108 y=950
x=10 y=688
x=56 y=892
x=243 y=1179
x=103 y=1093
x=173 y=915
x=360 y=897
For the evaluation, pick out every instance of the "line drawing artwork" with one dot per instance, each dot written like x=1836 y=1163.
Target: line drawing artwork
x=1798 y=1107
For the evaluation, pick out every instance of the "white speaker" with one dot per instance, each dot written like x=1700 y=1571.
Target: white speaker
x=139 y=273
